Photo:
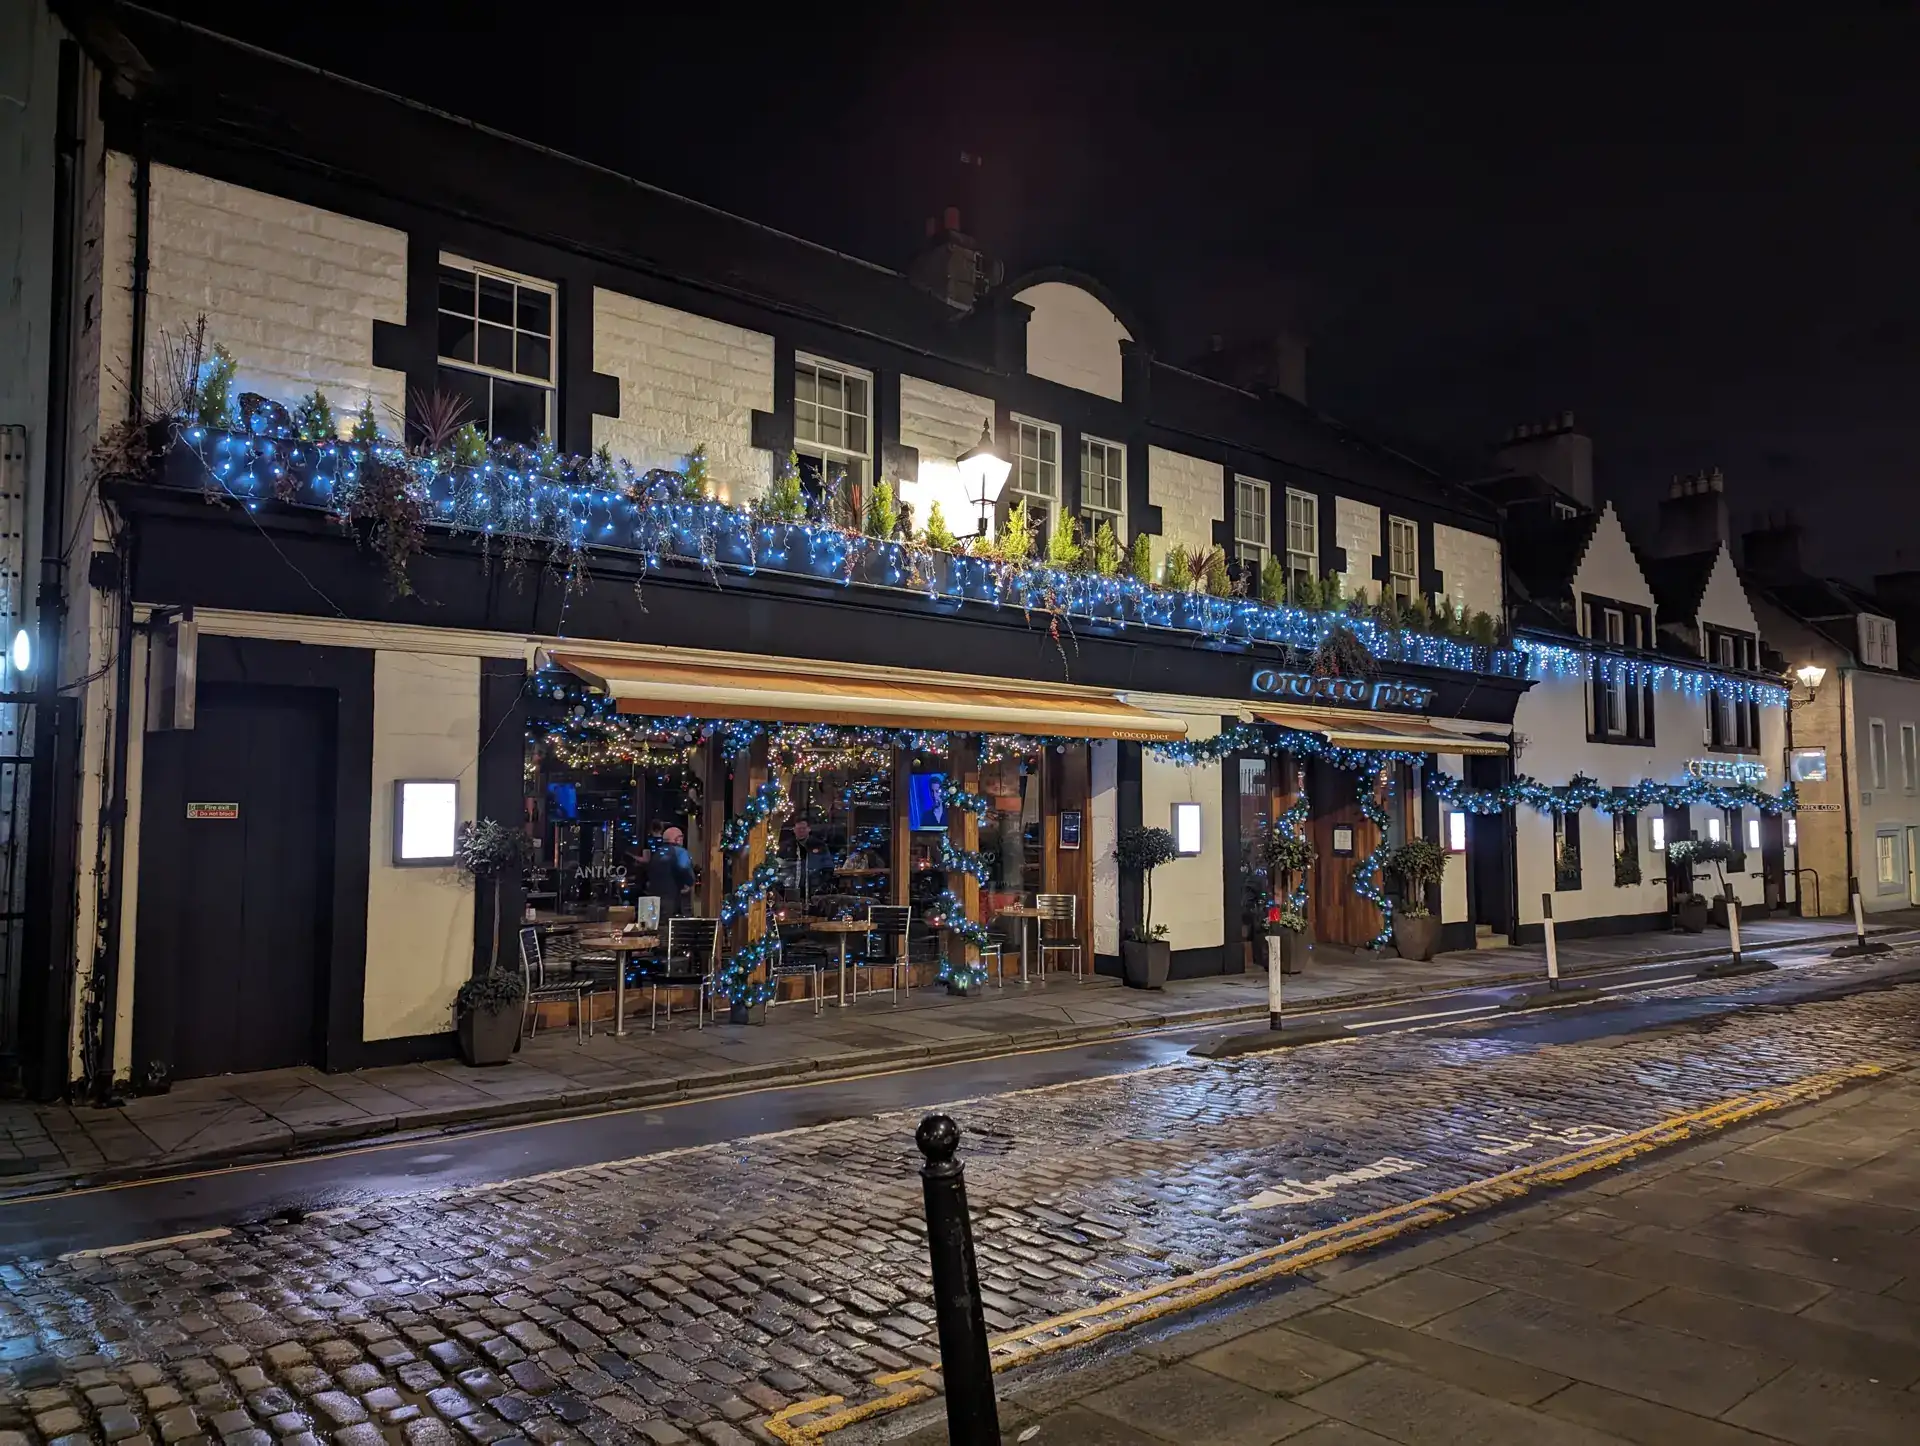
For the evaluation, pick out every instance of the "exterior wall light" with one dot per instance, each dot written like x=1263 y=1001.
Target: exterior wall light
x=1811 y=675
x=1186 y=829
x=426 y=821
x=984 y=471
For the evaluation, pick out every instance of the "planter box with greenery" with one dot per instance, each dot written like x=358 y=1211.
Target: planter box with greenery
x=488 y=1009
x=1416 y=863
x=1145 y=956
x=1287 y=856
x=1694 y=912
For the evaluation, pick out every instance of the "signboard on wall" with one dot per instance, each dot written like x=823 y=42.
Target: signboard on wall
x=221 y=812
x=1375 y=693
x=1728 y=770
x=1809 y=765
x=1342 y=841
x=1069 y=828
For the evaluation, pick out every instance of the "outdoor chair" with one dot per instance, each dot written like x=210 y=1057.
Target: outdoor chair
x=782 y=966
x=692 y=954
x=889 y=940
x=533 y=974
x=1059 y=931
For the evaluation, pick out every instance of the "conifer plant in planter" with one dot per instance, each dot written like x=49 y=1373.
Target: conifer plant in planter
x=1416 y=863
x=1691 y=910
x=1145 y=956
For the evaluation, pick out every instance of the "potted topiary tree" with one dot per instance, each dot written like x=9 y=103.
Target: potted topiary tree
x=488 y=1010
x=1692 y=911
x=1288 y=856
x=1416 y=863
x=1145 y=956
x=488 y=1007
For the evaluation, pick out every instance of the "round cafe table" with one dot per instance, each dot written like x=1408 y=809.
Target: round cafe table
x=622 y=947
x=1024 y=912
x=846 y=929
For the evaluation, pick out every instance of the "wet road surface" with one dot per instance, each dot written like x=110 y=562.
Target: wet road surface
x=708 y=1264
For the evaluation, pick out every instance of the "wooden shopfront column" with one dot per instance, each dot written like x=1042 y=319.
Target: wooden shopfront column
x=746 y=784
x=900 y=864
x=713 y=822
x=1067 y=786
x=963 y=830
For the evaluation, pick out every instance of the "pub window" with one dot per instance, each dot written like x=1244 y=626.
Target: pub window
x=832 y=435
x=1621 y=708
x=495 y=333
x=1103 y=485
x=1251 y=533
x=1737 y=841
x=1886 y=858
x=1626 y=849
x=1732 y=723
x=1303 y=537
x=1403 y=557
x=1566 y=851
x=1036 y=473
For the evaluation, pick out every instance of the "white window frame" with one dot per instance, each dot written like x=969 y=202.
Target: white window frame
x=1877 y=753
x=1252 y=549
x=1886 y=858
x=1093 y=513
x=1753 y=835
x=1303 y=535
x=550 y=383
x=1405 y=584
x=1613 y=623
x=1659 y=839
x=1909 y=758
x=828 y=452
x=1713 y=830
x=1027 y=431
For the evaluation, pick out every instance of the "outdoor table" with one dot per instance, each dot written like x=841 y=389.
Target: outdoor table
x=846 y=929
x=1024 y=912
x=621 y=946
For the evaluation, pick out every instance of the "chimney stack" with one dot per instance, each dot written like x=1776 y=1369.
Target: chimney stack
x=1771 y=551
x=951 y=264
x=1693 y=518
x=1554 y=451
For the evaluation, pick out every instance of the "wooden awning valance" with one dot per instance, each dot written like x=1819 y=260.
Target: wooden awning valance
x=1383 y=731
x=687 y=683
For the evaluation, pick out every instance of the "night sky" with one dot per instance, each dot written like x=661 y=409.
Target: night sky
x=1697 y=229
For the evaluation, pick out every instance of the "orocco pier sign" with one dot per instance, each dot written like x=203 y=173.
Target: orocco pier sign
x=1352 y=692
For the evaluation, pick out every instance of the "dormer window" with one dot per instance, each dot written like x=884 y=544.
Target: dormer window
x=1878 y=642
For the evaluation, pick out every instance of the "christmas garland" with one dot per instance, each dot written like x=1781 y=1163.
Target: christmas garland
x=736 y=979
x=947 y=910
x=1370 y=882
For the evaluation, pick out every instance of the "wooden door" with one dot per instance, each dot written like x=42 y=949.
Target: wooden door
x=234 y=931
x=1340 y=916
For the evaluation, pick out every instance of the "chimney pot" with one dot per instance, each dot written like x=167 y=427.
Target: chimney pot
x=933 y=227
x=1566 y=421
x=953 y=218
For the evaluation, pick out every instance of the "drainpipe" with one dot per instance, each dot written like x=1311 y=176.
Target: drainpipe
x=142 y=217
x=1846 y=779
x=46 y=995
x=107 y=965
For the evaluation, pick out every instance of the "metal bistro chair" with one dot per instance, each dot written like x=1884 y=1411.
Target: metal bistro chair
x=890 y=930
x=782 y=966
x=693 y=951
x=533 y=973
x=1058 y=910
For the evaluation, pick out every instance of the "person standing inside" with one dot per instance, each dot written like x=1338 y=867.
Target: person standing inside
x=669 y=873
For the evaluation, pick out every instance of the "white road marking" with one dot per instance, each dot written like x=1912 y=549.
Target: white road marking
x=1416 y=1018
x=1305 y=1192
x=100 y=1252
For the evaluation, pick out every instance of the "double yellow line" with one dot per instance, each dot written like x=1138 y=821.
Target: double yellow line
x=808 y=1421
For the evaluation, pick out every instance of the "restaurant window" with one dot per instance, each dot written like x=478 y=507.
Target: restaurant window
x=496 y=348
x=1036 y=474
x=1733 y=723
x=1626 y=849
x=1252 y=533
x=1303 y=537
x=1566 y=851
x=1012 y=835
x=1403 y=558
x=832 y=436
x=1103 y=486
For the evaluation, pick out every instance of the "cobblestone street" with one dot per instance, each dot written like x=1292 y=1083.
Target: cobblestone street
x=698 y=1291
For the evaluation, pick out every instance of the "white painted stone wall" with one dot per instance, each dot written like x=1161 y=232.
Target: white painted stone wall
x=1103 y=828
x=1469 y=562
x=292 y=291
x=1356 y=527
x=1187 y=894
x=685 y=381
x=1891 y=810
x=1453 y=883
x=1724 y=602
x=426 y=724
x=1073 y=339
x=1191 y=497
x=941 y=423
x=1609 y=568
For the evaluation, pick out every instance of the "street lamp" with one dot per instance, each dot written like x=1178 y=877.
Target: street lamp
x=984 y=471
x=1811 y=675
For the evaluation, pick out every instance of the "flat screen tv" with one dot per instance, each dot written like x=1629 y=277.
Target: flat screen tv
x=926 y=809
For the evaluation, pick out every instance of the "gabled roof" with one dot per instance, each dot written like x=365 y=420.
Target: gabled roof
x=1825 y=605
x=1544 y=554
x=1679 y=584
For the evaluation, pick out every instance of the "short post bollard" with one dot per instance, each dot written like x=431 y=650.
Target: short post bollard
x=973 y=1418
x=1553 y=951
x=1276 y=990
x=1859 y=918
x=1733 y=926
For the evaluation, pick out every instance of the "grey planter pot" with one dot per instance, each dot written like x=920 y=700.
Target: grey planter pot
x=1417 y=937
x=490 y=1036
x=1145 y=965
x=1692 y=918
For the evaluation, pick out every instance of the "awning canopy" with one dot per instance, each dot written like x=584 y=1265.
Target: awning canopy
x=1369 y=730
x=687 y=683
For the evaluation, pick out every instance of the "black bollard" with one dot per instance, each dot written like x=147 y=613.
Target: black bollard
x=973 y=1419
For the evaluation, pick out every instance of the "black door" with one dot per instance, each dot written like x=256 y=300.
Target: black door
x=1489 y=857
x=1773 y=859
x=236 y=863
